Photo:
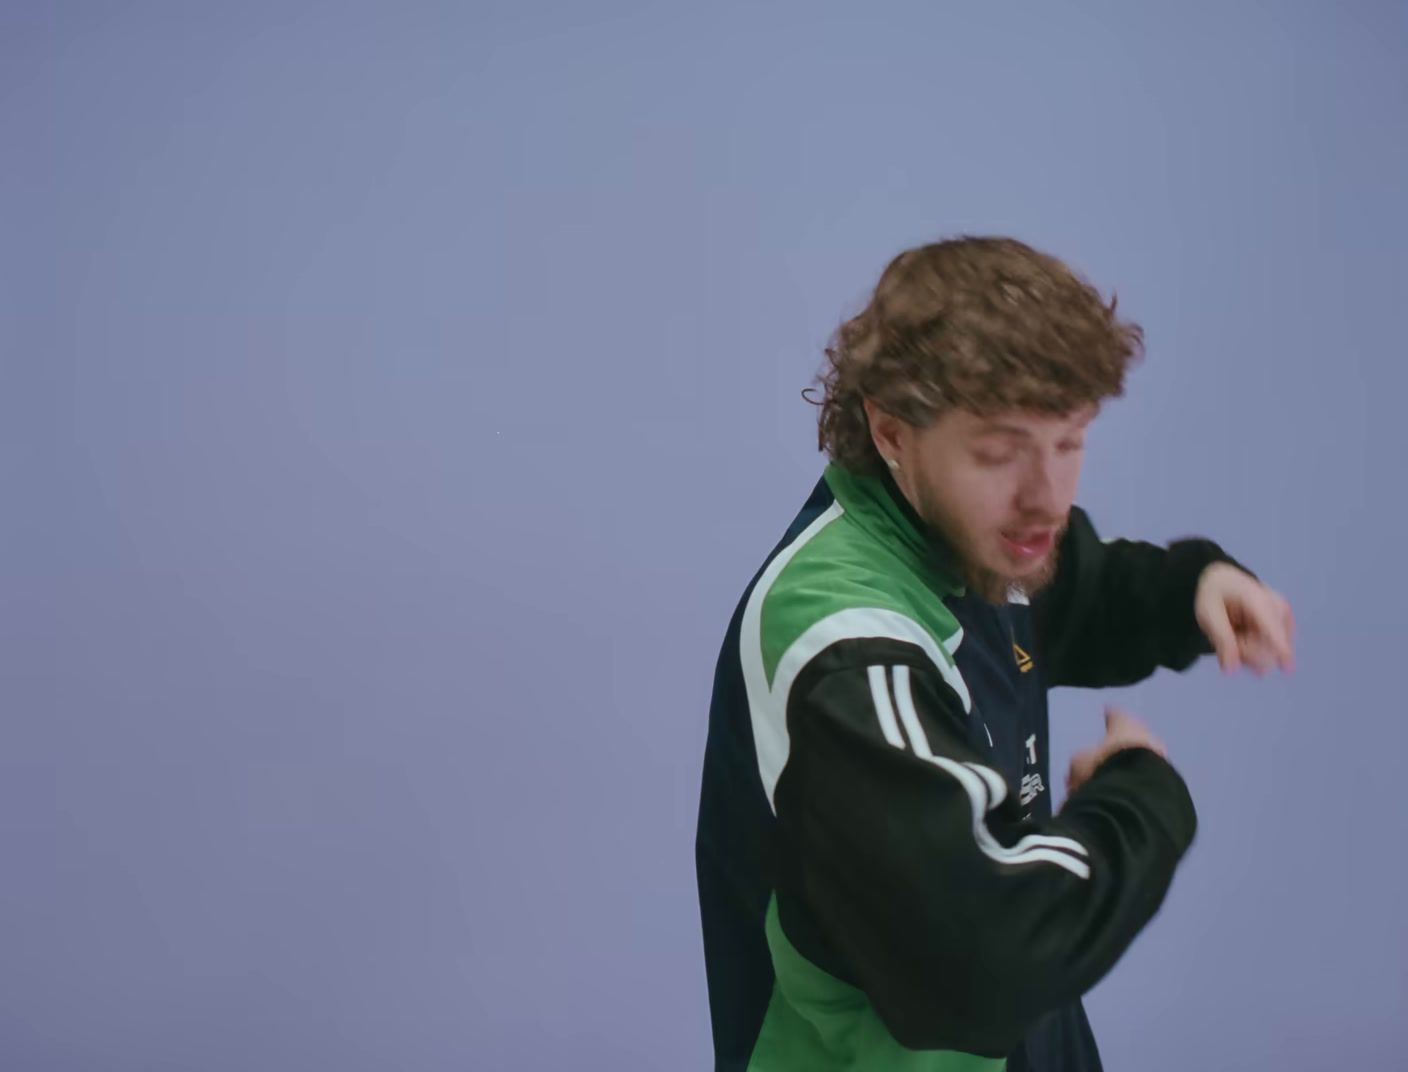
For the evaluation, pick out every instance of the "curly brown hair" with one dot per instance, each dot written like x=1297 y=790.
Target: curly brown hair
x=983 y=323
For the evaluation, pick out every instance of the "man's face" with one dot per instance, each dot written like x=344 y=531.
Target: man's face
x=999 y=489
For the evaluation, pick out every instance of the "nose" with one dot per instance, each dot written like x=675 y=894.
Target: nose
x=1036 y=494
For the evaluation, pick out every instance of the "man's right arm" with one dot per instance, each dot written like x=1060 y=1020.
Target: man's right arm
x=961 y=922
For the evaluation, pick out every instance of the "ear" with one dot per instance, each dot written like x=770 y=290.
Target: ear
x=886 y=430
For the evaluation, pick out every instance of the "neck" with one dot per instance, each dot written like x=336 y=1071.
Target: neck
x=983 y=583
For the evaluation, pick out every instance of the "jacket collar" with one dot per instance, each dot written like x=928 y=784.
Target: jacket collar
x=877 y=505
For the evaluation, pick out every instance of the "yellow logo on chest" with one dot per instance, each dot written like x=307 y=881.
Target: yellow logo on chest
x=1024 y=661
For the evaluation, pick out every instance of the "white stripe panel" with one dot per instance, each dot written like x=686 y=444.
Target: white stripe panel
x=767 y=704
x=880 y=692
x=996 y=783
x=868 y=623
x=855 y=623
x=951 y=643
x=1033 y=847
x=770 y=723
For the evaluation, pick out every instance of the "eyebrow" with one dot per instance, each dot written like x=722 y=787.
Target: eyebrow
x=1003 y=429
x=997 y=427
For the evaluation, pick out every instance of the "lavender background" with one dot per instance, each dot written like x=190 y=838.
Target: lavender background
x=395 y=400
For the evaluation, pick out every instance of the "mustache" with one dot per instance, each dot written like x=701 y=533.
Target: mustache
x=1027 y=524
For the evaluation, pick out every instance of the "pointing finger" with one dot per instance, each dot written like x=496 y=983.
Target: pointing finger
x=1256 y=653
x=1288 y=620
x=1275 y=631
x=1219 y=632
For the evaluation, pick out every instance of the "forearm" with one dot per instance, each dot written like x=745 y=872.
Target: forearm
x=1119 y=610
x=961 y=922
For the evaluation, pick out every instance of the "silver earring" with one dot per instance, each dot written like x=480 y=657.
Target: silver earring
x=892 y=463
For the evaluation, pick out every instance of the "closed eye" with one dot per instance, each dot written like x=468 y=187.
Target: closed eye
x=984 y=458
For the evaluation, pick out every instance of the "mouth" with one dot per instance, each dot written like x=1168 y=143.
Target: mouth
x=1026 y=545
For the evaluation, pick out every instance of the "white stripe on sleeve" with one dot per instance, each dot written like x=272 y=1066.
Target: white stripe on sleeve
x=1032 y=848
x=880 y=692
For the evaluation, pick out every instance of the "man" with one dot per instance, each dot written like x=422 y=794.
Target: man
x=882 y=882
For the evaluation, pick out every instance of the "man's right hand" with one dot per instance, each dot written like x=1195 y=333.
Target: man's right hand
x=1122 y=730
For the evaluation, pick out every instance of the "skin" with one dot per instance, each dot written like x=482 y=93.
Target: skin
x=981 y=481
x=976 y=479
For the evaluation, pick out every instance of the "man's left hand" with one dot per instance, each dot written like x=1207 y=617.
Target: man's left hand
x=1247 y=622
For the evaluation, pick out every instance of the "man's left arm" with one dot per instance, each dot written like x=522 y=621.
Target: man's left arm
x=1117 y=611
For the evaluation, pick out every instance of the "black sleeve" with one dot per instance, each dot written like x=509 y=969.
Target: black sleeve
x=1115 y=612
x=911 y=874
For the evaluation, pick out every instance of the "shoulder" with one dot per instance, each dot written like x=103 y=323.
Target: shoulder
x=834 y=586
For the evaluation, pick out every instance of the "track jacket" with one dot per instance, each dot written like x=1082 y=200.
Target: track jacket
x=882 y=883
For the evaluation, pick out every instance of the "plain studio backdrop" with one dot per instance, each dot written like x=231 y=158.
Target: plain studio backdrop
x=397 y=398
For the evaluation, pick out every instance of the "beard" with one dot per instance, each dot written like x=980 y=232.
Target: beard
x=984 y=582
